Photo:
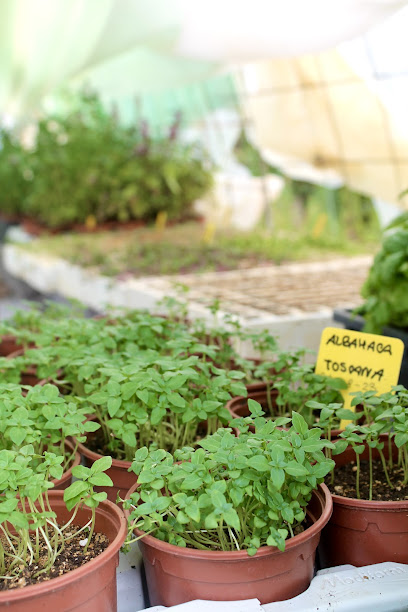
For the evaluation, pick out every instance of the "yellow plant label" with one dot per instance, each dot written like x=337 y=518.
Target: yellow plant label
x=209 y=233
x=364 y=361
x=90 y=222
x=161 y=220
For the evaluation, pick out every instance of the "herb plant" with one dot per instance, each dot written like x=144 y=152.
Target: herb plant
x=231 y=493
x=386 y=287
x=86 y=165
x=44 y=419
x=384 y=419
x=27 y=520
x=159 y=400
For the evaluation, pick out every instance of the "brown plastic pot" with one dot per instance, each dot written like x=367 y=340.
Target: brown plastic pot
x=9 y=344
x=176 y=575
x=363 y=532
x=238 y=406
x=118 y=472
x=91 y=587
x=29 y=376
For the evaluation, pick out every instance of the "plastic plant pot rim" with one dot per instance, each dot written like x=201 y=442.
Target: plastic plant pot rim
x=239 y=555
x=118 y=463
x=370 y=505
x=108 y=509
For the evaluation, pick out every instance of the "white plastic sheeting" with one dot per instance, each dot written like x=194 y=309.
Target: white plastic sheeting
x=47 y=42
x=342 y=111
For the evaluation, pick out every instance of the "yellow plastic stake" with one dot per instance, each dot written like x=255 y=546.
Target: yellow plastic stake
x=209 y=233
x=365 y=361
x=161 y=220
x=320 y=225
x=90 y=222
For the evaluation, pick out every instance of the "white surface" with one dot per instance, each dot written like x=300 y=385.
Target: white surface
x=129 y=581
x=198 y=605
x=374 y=588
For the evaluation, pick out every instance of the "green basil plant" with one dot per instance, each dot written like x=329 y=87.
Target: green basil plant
x=230 y=493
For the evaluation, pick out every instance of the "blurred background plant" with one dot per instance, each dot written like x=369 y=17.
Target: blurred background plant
x=85 y=167
x=386 y=288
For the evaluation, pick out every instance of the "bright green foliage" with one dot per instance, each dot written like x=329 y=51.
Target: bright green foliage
x=380 y=415
x=44 y=419
x=25 y=509
x=232 y=493
x=86 y=164
x=386 y=288
x=297 y=384
x=159 y=400
x=15 y=175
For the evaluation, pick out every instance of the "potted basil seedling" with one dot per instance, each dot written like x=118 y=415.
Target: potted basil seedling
x=235 y=518
x=58 y=550
x=48 y=421
x=166 y=401
x=370 y=484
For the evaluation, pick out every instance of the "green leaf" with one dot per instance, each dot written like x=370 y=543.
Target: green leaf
x=75 y=490
x=191 y=482
x=100 y=496
x=17 y=435
x=299 y=423
x=98 y=398
x=277 y=477
x=176 y=400
x=210 y=521
x=259 y=463
x=102 y=464
x=182 y=518
x=141 y=454
x=193 y=511
x=114 y=403
x=295 y=469
x=129 y=438
x=157 y=415
x=176 y=382
x=129 y=389
x=217 y=498
x=113 y=388
x=232 y=519
x=255 y=408
x=143 y=395
x=101 y=480
x=81 y=472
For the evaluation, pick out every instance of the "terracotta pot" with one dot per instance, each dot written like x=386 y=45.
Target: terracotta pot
x=8 y=345
x=29 y=376
x=121 y=478
x=91 y=587
x=66 y=478
x=238 y=406
x=176 y=575
x=362 y=532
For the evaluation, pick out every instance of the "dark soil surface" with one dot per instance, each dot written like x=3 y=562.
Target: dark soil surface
x=71 y=558
x=345 y=482
x=96 y=443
